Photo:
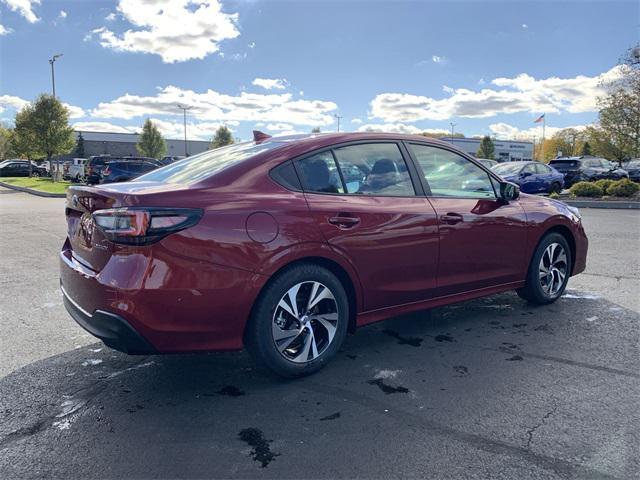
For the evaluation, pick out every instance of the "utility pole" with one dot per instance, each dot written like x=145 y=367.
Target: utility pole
x=453 y=125
x=52 y=60
x=338 y=117
x=184 y=119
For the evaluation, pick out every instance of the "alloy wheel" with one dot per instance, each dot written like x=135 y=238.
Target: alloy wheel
x=305 y=322
x=553 y=269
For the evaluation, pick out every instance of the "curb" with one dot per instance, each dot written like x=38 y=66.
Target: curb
x=32 y=191
x=621 y=205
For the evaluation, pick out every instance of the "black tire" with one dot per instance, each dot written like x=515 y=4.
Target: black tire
x=35 y=174
x=534 y=289
x=259 y=336
x=555 y=188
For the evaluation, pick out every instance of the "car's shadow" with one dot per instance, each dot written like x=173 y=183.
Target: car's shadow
x=468 y=381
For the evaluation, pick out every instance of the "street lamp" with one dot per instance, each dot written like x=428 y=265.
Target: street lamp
x=52 y=60
x=338 y=117
x=184 y=112
x=453 y=125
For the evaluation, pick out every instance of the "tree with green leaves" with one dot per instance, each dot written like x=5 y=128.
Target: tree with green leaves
x=5 y=142
x=586 y=149
x=23 y=139
x=48 y=122
x=315 y=130
x=151 y=143
x=619 y=114
x=486 y=148
x=80 y=145
x=221 y=138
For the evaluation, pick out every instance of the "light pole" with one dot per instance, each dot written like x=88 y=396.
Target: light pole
x=52 y=60
x=453 y=125
x=184 y=119
x=338 y=117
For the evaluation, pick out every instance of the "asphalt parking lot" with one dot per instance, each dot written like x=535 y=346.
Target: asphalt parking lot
x=489 y=388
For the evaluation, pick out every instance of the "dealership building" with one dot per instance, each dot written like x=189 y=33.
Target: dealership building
x=506 y=150
x=124 y=144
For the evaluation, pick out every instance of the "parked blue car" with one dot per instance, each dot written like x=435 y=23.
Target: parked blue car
x=531 y=177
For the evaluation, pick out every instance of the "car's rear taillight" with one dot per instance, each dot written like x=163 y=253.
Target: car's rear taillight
x=142 y=226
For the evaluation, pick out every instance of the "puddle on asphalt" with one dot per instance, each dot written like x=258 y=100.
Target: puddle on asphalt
x=413 y=341
x=261 y=450
x=443 y=338
x=333 y=416
x=386 y=388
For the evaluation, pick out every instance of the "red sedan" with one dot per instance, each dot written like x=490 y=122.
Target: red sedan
x=284 y=244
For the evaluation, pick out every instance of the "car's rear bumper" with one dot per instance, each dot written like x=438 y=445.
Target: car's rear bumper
x=112 y=329
x=172 y=302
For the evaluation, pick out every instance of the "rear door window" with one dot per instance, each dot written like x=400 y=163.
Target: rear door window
x=319 y=173
x=374 y=169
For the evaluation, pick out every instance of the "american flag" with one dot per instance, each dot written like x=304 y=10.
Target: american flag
x=539 y=119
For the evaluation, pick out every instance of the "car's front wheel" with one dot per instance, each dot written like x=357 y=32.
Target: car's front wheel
x=549 y=270
x=555 y=188
x=299 y=321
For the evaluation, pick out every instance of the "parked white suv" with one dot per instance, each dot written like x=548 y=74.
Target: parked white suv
x=74 y=170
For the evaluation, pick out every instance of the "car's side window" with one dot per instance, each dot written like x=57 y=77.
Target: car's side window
x=319 y=173
x=542 y=169
x=531 y=168
x=374 y=169
x=451 y=175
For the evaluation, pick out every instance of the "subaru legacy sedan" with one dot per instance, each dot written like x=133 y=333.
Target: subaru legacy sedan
x=283 y=245
x=531 y=177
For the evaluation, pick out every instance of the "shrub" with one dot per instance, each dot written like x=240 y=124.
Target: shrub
x=554 y=195
x=623 y=188
x=604 y=184
x=586 y=189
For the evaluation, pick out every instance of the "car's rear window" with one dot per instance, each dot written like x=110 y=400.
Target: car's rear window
x=198 y=167
x=560 y=164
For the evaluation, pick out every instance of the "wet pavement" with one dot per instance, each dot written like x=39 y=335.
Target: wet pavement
x=489 y=388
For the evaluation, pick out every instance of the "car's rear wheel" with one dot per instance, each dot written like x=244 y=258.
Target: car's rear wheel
x=35 y=174
x=299 y=321
x=549 y=271
x=555 y=188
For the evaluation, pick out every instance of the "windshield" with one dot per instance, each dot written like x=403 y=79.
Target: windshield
x=507 y=168
x=198 y=167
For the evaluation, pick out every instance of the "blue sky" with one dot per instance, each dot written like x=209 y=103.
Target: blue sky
x=289 y=66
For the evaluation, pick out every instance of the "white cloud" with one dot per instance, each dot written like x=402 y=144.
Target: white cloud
x=74 y=112
x=62 y=14
x=397 y=128
x=176 y=30
x=215 y=106
x=11 y=102
x=252 y=45
x=104 y=127
x=279 y=126
x=271 y=83
x=524 y=25
x=4 y=30
x=438 y=59
x=24 y=8
x=506 y=131
x=111 y=17
x=519 y=94
x=356 y=121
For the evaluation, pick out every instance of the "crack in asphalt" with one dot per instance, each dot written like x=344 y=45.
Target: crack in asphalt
x=86 y=393
x=542 y=421
x=560 y=467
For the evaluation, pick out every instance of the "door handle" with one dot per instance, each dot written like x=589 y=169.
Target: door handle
x=344 y=221
x=451 y=218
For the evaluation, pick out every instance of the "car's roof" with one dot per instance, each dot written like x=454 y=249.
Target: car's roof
x=322 y=139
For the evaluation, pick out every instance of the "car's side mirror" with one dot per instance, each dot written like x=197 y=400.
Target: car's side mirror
x=509 y=191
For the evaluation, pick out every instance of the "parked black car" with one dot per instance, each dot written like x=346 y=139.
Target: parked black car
x=20 y=168
x=587 y=169
x=95 y=164
x=633 y=169
x=126 y=169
